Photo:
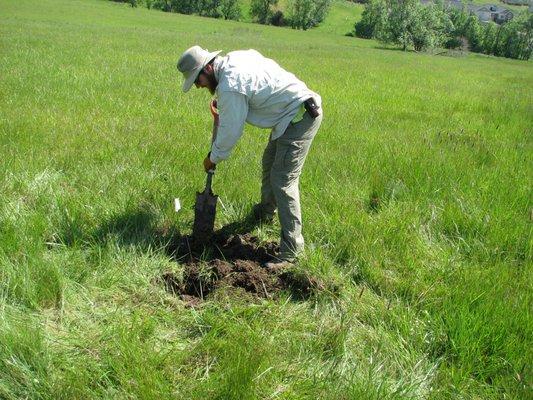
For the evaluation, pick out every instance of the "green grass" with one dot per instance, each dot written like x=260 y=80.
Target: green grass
x=341 y=18
x=96 y=140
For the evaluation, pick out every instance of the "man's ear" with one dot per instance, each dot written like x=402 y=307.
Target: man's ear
x=209 y=68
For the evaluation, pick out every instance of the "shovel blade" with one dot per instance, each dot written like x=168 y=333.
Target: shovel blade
x=205 y=210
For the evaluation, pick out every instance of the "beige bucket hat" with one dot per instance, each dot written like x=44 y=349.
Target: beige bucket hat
x=191 y=63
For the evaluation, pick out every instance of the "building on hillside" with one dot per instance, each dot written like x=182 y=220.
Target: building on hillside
x=517 y=2
x=492 y=12
x=484 y=12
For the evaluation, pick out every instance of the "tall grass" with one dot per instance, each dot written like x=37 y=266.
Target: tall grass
x=416 y=199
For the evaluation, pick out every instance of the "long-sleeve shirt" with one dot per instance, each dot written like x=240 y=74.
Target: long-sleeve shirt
x=254 y=89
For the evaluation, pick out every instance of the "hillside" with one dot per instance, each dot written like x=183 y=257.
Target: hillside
x=416 y=198
x=340 y=20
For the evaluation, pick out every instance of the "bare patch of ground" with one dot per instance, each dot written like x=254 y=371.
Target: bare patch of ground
x=235 y=261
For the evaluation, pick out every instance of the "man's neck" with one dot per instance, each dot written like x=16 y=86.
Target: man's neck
x=217 y=62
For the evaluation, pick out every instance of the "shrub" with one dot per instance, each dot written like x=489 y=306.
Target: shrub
x=163 y=5
x=278 y=19
x=132 y=3
x=184 y=6
x=456 y=42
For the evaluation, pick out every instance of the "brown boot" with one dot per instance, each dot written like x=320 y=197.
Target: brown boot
x=279 y=265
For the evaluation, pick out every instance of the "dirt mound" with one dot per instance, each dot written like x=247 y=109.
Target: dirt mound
x=232 y=261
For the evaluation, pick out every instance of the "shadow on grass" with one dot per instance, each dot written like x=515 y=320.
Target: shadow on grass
x=242 y=227
x=140 y=227
x=231 y=258
x=391 y=48
x=133 y=227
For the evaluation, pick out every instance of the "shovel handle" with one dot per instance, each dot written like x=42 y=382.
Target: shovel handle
x=214 y=112
x=209 y=180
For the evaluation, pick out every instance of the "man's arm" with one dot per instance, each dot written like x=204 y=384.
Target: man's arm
x=232 y=109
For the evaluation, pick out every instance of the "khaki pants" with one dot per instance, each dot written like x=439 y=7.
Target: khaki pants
x=283 y=160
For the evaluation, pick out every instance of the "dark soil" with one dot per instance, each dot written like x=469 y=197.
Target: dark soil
x=232 y=261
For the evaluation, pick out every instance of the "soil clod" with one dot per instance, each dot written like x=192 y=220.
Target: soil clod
x=232 y=261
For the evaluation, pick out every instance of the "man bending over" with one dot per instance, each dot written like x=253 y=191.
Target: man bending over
x=254 y=89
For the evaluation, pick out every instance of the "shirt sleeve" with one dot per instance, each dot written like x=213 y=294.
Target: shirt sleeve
x=233 y=109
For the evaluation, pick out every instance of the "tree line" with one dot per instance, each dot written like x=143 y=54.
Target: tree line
x=410 y=24
x=299 y=14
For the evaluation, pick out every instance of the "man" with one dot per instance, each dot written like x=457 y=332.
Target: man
x=254 y=89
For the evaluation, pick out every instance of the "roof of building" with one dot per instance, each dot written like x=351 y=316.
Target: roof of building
x=489 y=7
x=493 y=8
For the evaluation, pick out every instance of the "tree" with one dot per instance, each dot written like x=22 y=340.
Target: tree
x=473 y=32
x=458 y=17
x=526 y=29
x=403 y=18
x=184 y=6
x=304 y=14
x=372 y=13
x=444 y=24
x=489 y=37
x=407 y=23
x=521 y=44
x=432 y=27
x=231 y=9
x=261 y=10
x=226 y=9
x=163 y=5
x=458 y=21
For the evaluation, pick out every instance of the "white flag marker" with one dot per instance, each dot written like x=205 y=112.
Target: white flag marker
x=177 y=205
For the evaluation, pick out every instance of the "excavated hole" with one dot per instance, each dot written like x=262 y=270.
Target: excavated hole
x=232 y=261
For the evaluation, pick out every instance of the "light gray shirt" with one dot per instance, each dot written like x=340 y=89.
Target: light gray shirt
x=254 y=89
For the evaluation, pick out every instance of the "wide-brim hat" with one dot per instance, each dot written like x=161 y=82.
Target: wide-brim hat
x=191 y=63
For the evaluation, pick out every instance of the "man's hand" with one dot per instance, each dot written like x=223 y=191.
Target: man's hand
x=214 y=111
x=208 y=165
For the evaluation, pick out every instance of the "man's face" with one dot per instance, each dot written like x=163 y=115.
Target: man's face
x=206 y=79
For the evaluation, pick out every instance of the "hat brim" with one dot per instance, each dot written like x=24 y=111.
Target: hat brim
x=190 y=80
x=192 y=77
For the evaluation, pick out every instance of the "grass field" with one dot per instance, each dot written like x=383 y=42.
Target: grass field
x=416 y=197
x=341 y=18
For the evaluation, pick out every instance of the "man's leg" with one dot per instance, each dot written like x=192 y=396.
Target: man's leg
x=267 y=207
x=291 y=149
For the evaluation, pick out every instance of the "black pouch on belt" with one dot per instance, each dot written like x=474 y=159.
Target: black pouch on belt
x=311 y=107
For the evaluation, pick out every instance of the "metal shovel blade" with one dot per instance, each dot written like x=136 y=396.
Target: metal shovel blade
x=205 y=210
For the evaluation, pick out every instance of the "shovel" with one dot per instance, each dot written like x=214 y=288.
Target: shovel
x=205 y=207
x=205 y=210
